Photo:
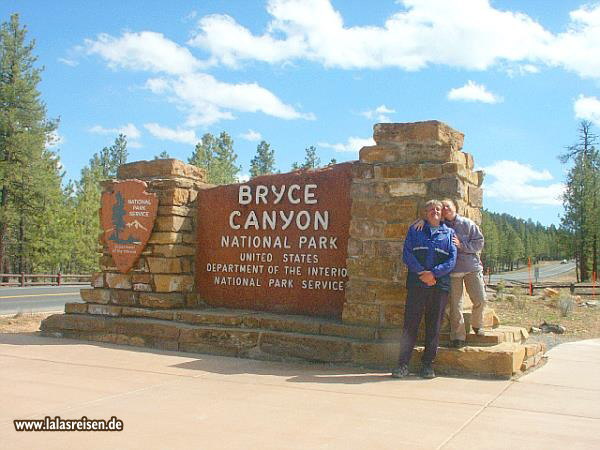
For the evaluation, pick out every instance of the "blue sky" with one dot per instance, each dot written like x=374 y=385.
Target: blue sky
x=515 y=76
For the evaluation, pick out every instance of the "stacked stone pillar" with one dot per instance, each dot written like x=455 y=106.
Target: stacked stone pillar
x=163 y=277
x=410 y=164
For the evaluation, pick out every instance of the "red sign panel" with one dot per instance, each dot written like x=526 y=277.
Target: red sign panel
x=277 y=243
x=128 y=214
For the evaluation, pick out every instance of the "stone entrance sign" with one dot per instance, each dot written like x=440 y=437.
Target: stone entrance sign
x=128 y=214
x=277 y=243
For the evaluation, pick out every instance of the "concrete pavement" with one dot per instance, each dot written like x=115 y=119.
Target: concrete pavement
x=178 y=400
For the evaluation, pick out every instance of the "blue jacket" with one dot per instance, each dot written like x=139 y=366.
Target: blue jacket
x=433 y=252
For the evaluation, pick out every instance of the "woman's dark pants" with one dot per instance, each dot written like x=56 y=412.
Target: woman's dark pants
x=420 y=300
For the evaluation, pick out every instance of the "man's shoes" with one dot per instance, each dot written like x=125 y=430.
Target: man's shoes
x=400 y=371
x=427 y=371
x=457 y=343
x=478 y=331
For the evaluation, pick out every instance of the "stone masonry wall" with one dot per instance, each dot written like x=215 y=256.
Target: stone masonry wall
x=410 y=164
x=163 y=276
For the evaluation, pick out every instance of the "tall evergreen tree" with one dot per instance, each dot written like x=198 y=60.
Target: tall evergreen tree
x=25 y=164
x=311 y=160
x=217 y=156
x=581 y=199
x=263 y=162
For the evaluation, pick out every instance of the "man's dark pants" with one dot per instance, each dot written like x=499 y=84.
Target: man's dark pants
x=431 y=302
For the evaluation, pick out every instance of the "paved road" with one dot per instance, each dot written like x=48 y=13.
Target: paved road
x=37 y=298
x=546 y=272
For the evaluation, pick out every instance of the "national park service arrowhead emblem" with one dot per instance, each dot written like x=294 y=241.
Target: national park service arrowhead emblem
x=128 y=214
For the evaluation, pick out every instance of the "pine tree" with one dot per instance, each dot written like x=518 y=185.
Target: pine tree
x=311 y=160
x=581 y=199
x=217 y=157
x=28 y=172
x=203 y=153
x=264 y=161
x=163 y=155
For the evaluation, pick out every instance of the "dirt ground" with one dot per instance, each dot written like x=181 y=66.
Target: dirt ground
x=517 y=308
x=19 y=323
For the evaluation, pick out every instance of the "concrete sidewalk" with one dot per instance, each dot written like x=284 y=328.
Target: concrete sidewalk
x=178 y=400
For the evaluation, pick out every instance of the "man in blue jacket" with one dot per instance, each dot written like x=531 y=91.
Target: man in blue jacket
x=430 y=255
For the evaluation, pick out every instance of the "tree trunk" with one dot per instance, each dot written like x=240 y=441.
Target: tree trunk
x=3 y=229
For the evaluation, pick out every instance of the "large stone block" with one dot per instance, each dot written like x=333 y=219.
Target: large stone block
x=407 y=189
x=97 y=280
x=80 y=322
x=173 y=250
x=380 y=154
x=475 y=196
x=142 y=287
x=188 y=238
x=172 y=183
x=366 y=229
x=359 y=290
x=162 y=300
x=176 y=210
x=393 y=293
x=376 y=267
x=118 y=280
x=104 y=310
x=160 y=167
x=175 y=196
x=164 y=265
x=173 y=283
x=128 y=311
x=405 y=171
x=95 y=295
x=141 y=278
x=75 y=308
x=313 y=348
x=480 y=176
x=137 y=327
x=361 y=313
x=429 y=132
x=229 y=338
x=173 y=223
x=165 y=237
x=123 y=297
x=429 y=171
x=447 y=187
x=396 y=230
x=393 y=315
x=420 y=153
x=362 y=171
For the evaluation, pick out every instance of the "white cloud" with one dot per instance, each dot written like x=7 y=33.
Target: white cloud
x=205 y=99
x=251 y=135
x=129 y=130
x=512 y=181
x=169 y=134
x=353 y=144
x=68 y=62
x=208 y=100
x=243 y=178
x=380 y=114
x=469 y=34
x=587 y=108
x=473 y=92
x=147 y=50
